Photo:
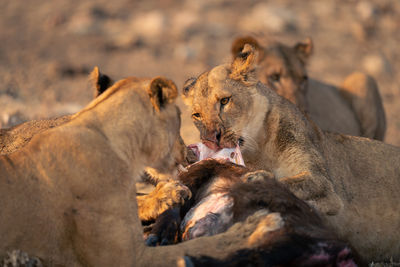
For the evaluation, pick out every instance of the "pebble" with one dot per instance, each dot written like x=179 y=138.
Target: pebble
x=149 y=25
x=267 y=17
x=376 y=64
x=366 y=10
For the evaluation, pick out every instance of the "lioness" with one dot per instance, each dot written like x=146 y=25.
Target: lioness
x=353 y=181
x=354 y=108
x=66 y=195
x=167 y=192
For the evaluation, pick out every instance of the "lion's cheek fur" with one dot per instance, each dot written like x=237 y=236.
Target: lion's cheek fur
x=164 y=151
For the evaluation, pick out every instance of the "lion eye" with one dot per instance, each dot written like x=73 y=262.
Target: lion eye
x=196 y=115
x=274 y=77
x=225 y=101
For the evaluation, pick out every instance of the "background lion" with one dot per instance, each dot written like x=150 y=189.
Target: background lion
x=355 y=108
x=353 y=181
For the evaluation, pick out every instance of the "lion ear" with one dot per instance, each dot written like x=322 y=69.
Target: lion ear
x=162 y=92
x=100 y=81
x=187 y=92
x=238 y=45
x=244 y=65
x=304 y=49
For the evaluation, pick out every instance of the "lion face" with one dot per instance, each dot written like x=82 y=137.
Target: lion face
x=226 y=104
x=281 y=67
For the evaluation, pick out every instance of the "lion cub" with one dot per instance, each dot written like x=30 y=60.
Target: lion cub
x=354 y=108
x=353 y=181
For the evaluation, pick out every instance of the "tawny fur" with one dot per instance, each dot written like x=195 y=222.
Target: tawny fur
x=353 y=181
x=14 y=138
x=354 y=108
x=163 y=197
x=66 y=195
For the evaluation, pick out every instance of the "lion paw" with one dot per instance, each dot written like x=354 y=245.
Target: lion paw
x=171 y=193
x=166 y=195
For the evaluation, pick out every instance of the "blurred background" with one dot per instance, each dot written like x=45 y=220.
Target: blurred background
x=47 y=48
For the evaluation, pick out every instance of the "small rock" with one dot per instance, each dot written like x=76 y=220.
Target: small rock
x=18 y=258
x=8 y=120
x=149 y=25
x=390 y=24
x=88 y=20
x=360 y=31
x=55 y=20
x=185 y=52
x=183 y=21
x=366 y=10
x=83 y=24
x=376 y=64
x=323 y=8
x=272 y=18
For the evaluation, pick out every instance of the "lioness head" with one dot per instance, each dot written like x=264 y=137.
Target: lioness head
x=281 y=67
x=162 y=93
x=151 y=104
x=226 y=104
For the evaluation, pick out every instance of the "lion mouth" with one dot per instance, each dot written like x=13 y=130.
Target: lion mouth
x=223 y=143
x=211 y=144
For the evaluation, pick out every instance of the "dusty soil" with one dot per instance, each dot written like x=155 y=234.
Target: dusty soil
x=47 y=48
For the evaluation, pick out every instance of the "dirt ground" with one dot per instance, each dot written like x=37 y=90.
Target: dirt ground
x=47 y=48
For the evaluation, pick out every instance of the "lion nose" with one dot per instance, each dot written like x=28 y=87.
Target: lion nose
x=213 y=136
